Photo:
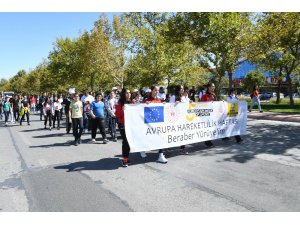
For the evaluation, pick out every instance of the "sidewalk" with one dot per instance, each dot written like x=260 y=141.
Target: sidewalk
x=287 y=117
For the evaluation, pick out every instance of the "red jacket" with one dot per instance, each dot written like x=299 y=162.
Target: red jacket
x=120 y=113
x=152 y=100
x=206 y=97
x=255 y=93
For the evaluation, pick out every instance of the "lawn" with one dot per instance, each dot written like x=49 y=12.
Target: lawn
x=282 y=107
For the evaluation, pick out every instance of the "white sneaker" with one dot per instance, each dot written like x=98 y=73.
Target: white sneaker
x=143 y=154
x=162 y=158
x=93 y=140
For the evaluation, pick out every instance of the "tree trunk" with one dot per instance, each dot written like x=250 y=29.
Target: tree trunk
x=279 y=85
x=230 y=75
x=290 y=90
x=218 y=88
x=278 y=91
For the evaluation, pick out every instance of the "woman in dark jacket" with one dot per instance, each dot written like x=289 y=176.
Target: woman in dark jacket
x=124 y=99
x=207 y=97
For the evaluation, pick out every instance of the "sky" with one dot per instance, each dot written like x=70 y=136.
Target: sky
x=27 y=37
x=29 y=28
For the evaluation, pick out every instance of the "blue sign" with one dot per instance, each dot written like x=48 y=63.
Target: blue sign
x=154 y=114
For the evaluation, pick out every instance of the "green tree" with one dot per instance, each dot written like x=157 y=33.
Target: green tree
x=18 y=82
x=64 y=67
x=276 y=45
x=220 y=36
x=4 y=85
x=253 y=78
x=154 y=59
x=98 y=55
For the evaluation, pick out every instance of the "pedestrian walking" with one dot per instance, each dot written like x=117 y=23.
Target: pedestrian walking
x=86 y=100
x=25 y=110
x=181 y=95
x=6 y=109
x=111 y=109
x=48 y=112
x=155 y=99
x=75 y=115
x=66 y=103
x=124 y=99
x=207 y=97
x=255 y=99
x=98 y=118
x=56 y=116
x=233 y=98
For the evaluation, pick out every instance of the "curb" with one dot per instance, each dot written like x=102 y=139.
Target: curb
x=275 y=116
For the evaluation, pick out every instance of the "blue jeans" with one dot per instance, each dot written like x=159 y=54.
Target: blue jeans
x=6 y=115
x=254 y=101
x=77 y=123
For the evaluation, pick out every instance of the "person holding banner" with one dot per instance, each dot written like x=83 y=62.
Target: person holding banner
x=155 y=99
x=180 y=96
x=124 y=99
x=209 y=96
x=232 y=98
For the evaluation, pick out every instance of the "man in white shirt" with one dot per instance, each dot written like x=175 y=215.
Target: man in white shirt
x=86 y=100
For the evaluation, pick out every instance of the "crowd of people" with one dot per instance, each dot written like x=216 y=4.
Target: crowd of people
x=87 y=112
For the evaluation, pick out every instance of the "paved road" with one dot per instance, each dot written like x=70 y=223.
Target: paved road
x=40 y=170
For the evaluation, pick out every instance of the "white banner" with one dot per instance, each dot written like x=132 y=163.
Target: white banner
x=156 y=126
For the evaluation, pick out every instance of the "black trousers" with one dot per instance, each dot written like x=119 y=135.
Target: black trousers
x=125 y=144
x=238 y=138
x=41 y=112
x=6 y=115
x=77 y=124
x=98 y=123
x=27 y=117
x=16 y=114
x=56 y=117
x=68 y=124
x=48 y=116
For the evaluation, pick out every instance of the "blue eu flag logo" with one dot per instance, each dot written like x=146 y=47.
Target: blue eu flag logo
x=154 y=114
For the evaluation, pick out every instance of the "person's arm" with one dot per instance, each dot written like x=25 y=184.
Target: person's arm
x=44 y=110
x=81 y=108
x=70 y=113
x=91 y=112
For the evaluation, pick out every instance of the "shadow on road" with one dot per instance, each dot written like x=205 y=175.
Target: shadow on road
x=50 y=135
x=102 y=164
x=63 y=144
x=34 y=130
x=273 y=139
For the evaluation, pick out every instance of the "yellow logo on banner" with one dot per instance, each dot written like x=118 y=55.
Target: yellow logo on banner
x=193 y=116
x=233 y=109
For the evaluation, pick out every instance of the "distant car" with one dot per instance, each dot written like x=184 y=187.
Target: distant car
x=8 y=93
x=245 y=94
x=274 y=95
x=264 y=96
